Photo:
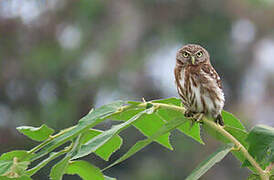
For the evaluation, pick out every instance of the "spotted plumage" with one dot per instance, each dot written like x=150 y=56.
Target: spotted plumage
x=198 y=84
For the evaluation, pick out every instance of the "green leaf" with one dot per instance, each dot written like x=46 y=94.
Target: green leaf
x=126 y=115
x=85 y=170
x=36 y=134
x=108 y=148
x=173 y=101
x=135 y=103
x=257 y=177
x=254 y=177
x=209 y=162
x=231 y=120
x=14 y=163
x=133 y=150
x=147 y=124
x=52 y=156
x=150 y=124
x=239 y=134
x=13 y=169
x=19 y=178
x=143 y=143
x=261 y=145
x=154 y=121
x=104 y=137
x=59 y=169
x=5 y=166
x=109 y=178
x=19 y=154
x=87 y=122
x=192 y=131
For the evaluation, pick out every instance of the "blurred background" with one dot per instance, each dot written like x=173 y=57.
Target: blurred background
x=60 y=58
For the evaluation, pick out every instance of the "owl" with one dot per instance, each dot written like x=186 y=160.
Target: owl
x=198 y=84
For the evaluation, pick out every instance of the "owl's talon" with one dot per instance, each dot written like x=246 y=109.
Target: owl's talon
x=189 y=113
x=199 y=117
x=219 y=120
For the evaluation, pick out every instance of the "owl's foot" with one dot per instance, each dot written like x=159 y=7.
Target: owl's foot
x=198 y=117
x=219 y=120
x=189 y=113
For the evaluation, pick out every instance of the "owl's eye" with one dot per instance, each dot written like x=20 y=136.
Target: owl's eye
x=199 y=54
x=185 y=54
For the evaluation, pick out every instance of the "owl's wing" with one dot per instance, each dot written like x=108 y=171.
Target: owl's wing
x=208 y=69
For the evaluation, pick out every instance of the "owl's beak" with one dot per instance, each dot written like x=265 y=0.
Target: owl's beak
x=192 y=60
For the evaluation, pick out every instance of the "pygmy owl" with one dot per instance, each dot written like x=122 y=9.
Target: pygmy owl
x=198 y=84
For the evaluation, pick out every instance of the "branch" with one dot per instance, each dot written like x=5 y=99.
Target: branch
x=263 y=174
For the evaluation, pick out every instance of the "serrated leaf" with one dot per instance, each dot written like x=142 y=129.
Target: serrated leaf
x=36 y=134
x=147 y=124
x=104 y=137
x=106 y=150
x=166 y=115
x=261 y=145
x=133 y=150
x=87 y=122
x=192 y=131
x=171 y=125
x=85 y=170
x=209 y=162
x=150 y=124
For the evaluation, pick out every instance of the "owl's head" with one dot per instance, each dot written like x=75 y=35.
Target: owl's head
x=192 y=54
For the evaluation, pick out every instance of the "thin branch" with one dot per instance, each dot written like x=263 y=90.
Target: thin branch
x=270 y=167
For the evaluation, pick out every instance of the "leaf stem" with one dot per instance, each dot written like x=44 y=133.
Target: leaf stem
x=40 y=146
x=263 y=174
